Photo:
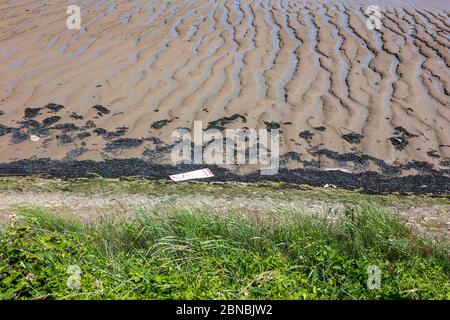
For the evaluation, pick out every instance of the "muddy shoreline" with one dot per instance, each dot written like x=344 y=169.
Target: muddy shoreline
x=433 y=182
x=342 y=95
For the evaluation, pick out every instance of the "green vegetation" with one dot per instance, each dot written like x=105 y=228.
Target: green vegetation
x=179 y=253
x=279 y=190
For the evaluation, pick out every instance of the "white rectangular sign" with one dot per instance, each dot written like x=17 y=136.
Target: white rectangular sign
x=197 y=174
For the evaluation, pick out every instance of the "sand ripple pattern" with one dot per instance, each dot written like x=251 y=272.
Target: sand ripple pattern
x=311 y=67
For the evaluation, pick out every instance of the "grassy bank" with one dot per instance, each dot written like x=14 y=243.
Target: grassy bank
x=179 y=253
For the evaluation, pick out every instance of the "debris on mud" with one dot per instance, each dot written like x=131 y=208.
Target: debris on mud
x=307 y=135
x=66 y=127
x=400 y=131
x=352 y=137
x=291 y=155
x=76 y=116
x=32 y=112
x=160 y=123
x=155 y=140
x=120 y=131
x=18 y=136
x=222 y=122
x=399 y=143
x=54 y=107
x=101 y=110
x=123 y=143
x=83 y=135
x=400 y=140
x=29 y=123
x=34 y=127
x=64 y=139
x=89 y=125
x=433 y=153
x=75 y=153
x=369 y=182
x=320 y=128
x=4 y=130
x=271 y=125
x=153 y=155
x=50 y=121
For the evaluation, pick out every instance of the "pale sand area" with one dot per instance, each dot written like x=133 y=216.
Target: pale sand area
x=312 y=68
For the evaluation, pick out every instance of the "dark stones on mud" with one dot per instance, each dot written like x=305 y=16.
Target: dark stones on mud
x=222 y=122
x=66 y=127
x=320 y=128
x=445 y=163
x=29 y=126
x=32 y=112
x=359 y=160
x=34 y=127
x=83 y=135
x=307 y=135
x=4 y=130
x=29 y=123
x=386 y=169
x=1 y=113
x=291 y=155
x=101 y=132
x=101 y=110
x=18 y=136
x=89 y=125
x=75 y=153
x=123 y=143
x=50 y=121
x=154 y=140
x=352 y=137
x=127 y=143
x=111 y=134
x=400 y=140
x=433 y=154
x=156 y=153
x=271 y=125
x=64 y=139
x=400 y=131
x=54 y=107
x=369 y=182
x=76 y=116
x=399 y=143
x=160 y=123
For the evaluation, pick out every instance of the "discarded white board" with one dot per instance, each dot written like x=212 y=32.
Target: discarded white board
x=197 y=174
x=337 y=169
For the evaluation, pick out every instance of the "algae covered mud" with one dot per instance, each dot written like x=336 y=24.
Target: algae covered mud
x=356 y=107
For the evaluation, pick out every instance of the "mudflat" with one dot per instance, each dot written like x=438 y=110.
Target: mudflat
x=343 y=96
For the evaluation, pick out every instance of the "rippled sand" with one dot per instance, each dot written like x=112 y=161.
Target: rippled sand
x=336 y=89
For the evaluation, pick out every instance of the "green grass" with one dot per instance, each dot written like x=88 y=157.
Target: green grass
x=179 y=253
